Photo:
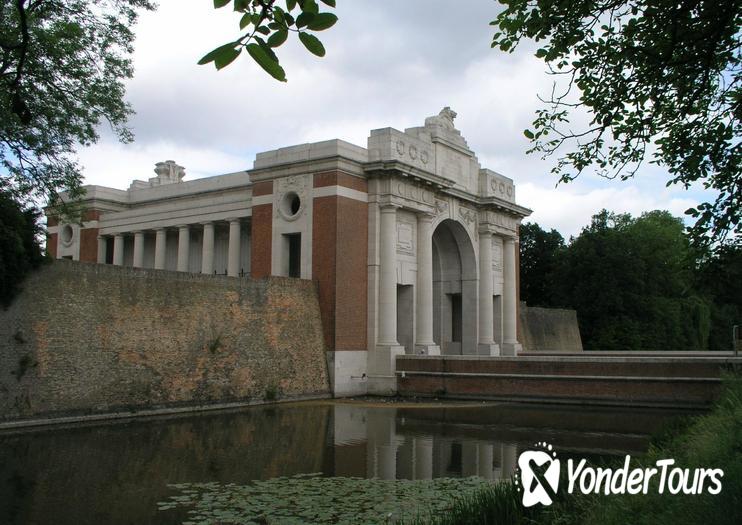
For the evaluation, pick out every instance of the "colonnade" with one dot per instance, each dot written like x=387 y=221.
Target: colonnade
x=424 y=342
x=183 y=254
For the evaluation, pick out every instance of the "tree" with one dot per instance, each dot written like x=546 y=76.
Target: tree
x=719 y=278
x=540 y=252
x=631 y=282
x=267 y=27
x=659 y=80
x=62 y=68
x=19 y=246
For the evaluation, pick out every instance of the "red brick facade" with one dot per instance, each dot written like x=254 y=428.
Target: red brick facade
x=338 y=178
x=262 y=241
x=89 y=245
x=339 y=259
x=51 y=245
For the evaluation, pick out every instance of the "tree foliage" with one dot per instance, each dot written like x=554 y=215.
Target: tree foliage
x=19 y=245
x=266 y=26
x=62 y=66
x=540 y=253
x=719 y=279
x=659 y=79
x=631 y=280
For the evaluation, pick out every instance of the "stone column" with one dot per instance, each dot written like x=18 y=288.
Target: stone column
x=160 y=246
x=233 y=261
x=118 y=249
x=207 y=254
x=486 y=457
x=487 y=345
x=184 y=247
x=510 y=345
x=102 y=249
x=381 y=362
x=469 y=459
x=138 y=250
x=424 y=343
x=509 y=461
x=423 y=457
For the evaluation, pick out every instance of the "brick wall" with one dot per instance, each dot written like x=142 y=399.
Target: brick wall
x=51 y=245
x=261 y=240
x=86 y=338
x=339 y=261
x=628 y=381
x=89 y=245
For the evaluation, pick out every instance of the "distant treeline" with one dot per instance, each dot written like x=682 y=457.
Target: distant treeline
x=636 y=283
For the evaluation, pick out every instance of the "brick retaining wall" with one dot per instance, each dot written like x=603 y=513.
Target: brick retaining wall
x=626 y=381
x=88 y=338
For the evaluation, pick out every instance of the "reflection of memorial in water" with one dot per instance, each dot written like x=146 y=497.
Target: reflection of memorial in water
x=461 y=441
x=393 y=454
x=120 y=470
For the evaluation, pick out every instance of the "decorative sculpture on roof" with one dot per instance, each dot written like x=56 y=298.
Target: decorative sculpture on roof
x=443 y=119
x=167 y=172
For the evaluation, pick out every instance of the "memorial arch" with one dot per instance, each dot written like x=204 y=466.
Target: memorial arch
x=412 y=244
x=454 y=289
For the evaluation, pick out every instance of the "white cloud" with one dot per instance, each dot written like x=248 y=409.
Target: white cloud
x=388 y=63
x=568 y=209
x=116 y=165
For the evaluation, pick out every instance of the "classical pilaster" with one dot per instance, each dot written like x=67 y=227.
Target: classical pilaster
x=487 y=345
x=184 y=247
x=102 y=249
x=160 y=247
x=510 y=345
x=388 y=277
x=207 y=253
x=138 y=250
x=424 y=343
x=233 y=261
x=118 y=249
x=381 y=362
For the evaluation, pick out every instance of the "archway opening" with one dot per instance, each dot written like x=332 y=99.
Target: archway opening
x=454 y=290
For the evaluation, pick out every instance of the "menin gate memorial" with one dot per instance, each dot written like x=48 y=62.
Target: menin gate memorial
x=412 y=243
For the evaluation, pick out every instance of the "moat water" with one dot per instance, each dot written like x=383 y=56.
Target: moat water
x=124 y=472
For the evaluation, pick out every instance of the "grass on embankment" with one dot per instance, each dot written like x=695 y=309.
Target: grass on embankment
x=713 y=440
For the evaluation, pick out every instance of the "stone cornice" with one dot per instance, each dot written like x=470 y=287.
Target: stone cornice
x=338 y=163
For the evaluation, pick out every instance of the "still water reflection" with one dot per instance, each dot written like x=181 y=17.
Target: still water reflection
x=116 y=473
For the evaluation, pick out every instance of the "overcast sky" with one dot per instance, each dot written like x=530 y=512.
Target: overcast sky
x=389 y=63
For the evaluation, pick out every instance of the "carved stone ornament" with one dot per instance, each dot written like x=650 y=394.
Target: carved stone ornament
x=412 y=152
x=501 y=188
x=468 y=215
x=496 y=254
x=441 y=206
x=295 y=185
x=412 y=191
x=404 y=238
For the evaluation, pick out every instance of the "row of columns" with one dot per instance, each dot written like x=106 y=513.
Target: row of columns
x=387 y=317
x=184 y=240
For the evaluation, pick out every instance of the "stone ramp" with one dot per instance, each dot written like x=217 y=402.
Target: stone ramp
x=691 y=381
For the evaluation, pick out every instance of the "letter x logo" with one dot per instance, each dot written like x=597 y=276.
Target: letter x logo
x=539 y=474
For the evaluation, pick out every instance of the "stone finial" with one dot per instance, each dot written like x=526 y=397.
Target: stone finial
x=168 y=172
